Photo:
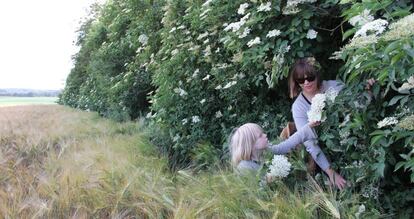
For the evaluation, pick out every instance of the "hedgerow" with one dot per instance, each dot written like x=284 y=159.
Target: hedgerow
x=198 y=69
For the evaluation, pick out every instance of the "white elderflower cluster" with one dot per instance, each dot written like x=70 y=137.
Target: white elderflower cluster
x=273 y=33
x=265 y=7
x=408 y=86
x=292 y=6
x=242 y=8
x=377 y=27
x=311 y=34
x=361 y=19
x=143 y=39
x=195 y=119
x=401 y=29
x=387 y=121
x=331 y=94
x=253 y=42
x=180 y=91
x=230 y=84
x=316 y=111
x=234 y=27
x=245 y=33
x=361 y=42
x=202 y=101
x=219 y=114
x=361 y=209
x=280 y=167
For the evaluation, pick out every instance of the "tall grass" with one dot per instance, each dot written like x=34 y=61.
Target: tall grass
x=57 y=162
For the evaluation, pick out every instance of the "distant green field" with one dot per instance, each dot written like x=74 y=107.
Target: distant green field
x=18 y=101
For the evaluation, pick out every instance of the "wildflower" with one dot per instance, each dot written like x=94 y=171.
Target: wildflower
x=201 y=36
x=387 y=121
x=245 y=33
x=273 y=33
x=253 y=42
x=407 y=123
x=315 y=113
x=311 y=34
x=401 y=29
x=219 y=114
x=207 y=3
x=174 y=52
x=143 y=39
x=361 y=19
x=292 y=6
x=180 y=91
x=206 y=78
x=228 y=85
x=331 y=94
x=234 y=27
x=195 y=74
x=242 y=8
x=377 y=26
x=406 y=87
x=184 y=121
x=195 y=119
x=361 y=42
x=280 y=167
x=264 y=7
x=361 y=209
x=202 y=101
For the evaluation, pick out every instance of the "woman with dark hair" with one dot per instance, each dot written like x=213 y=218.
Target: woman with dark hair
x=304 y=83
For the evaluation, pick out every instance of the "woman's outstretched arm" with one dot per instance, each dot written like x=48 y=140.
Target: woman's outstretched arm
x=305 y=133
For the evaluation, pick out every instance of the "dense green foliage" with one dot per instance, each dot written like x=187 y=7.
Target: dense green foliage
x=198 y=69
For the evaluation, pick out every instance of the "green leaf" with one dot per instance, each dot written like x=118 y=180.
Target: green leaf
x=399 y=165
x=391 y=47
x=348 y=33
x=379 y=169
x=396 y=58
x=395 y=99
x=375 y=139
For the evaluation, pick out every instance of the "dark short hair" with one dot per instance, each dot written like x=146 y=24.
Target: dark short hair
x=303 y=67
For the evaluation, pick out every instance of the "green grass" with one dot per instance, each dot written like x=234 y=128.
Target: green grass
x=57 y=162
x=18 y=101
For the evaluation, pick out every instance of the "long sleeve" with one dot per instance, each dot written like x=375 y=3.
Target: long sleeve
x=300 y=118
x=303 y=134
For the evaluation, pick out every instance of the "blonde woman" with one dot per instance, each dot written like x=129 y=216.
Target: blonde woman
x=249 y=141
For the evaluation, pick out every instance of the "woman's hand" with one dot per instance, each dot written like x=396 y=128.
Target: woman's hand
x=336 y=179
x=370 y=83
x=314 y=124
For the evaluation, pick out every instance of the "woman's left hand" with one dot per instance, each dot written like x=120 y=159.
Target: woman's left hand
x=314 y=124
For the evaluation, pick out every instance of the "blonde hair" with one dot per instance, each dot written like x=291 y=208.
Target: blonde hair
x=242 y=142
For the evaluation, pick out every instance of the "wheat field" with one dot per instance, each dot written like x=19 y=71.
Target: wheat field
x=57 y=162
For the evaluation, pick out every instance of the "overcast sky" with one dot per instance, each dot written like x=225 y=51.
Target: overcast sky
x=36 y=41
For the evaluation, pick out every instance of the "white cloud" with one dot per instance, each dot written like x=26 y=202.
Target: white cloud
x=37 y=41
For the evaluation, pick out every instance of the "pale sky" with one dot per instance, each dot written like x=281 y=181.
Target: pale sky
x=36 y=41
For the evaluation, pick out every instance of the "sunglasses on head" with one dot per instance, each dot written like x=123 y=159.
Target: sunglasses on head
x=309 y=78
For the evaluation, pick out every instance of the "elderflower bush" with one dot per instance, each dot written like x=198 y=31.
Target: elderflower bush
x=222 y=61
x=362 y=134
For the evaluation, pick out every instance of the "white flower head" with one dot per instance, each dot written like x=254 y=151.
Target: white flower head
x=361 y=19
x=273 y=33
x=331 y=94
x=195 y=119
x=184 y=121
x=219 y=114
x=311 y=34
x=264 y=7
x=202 y=101
x=245 y=33
x=377 y=27
x=206 y=77
x=143 y=39
x=316 y=112
x=407 y=87
x=242 y=8
x=253 y=42
x=387 y=121
x=180 y=91
x=230 y=84
x=280 y=166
